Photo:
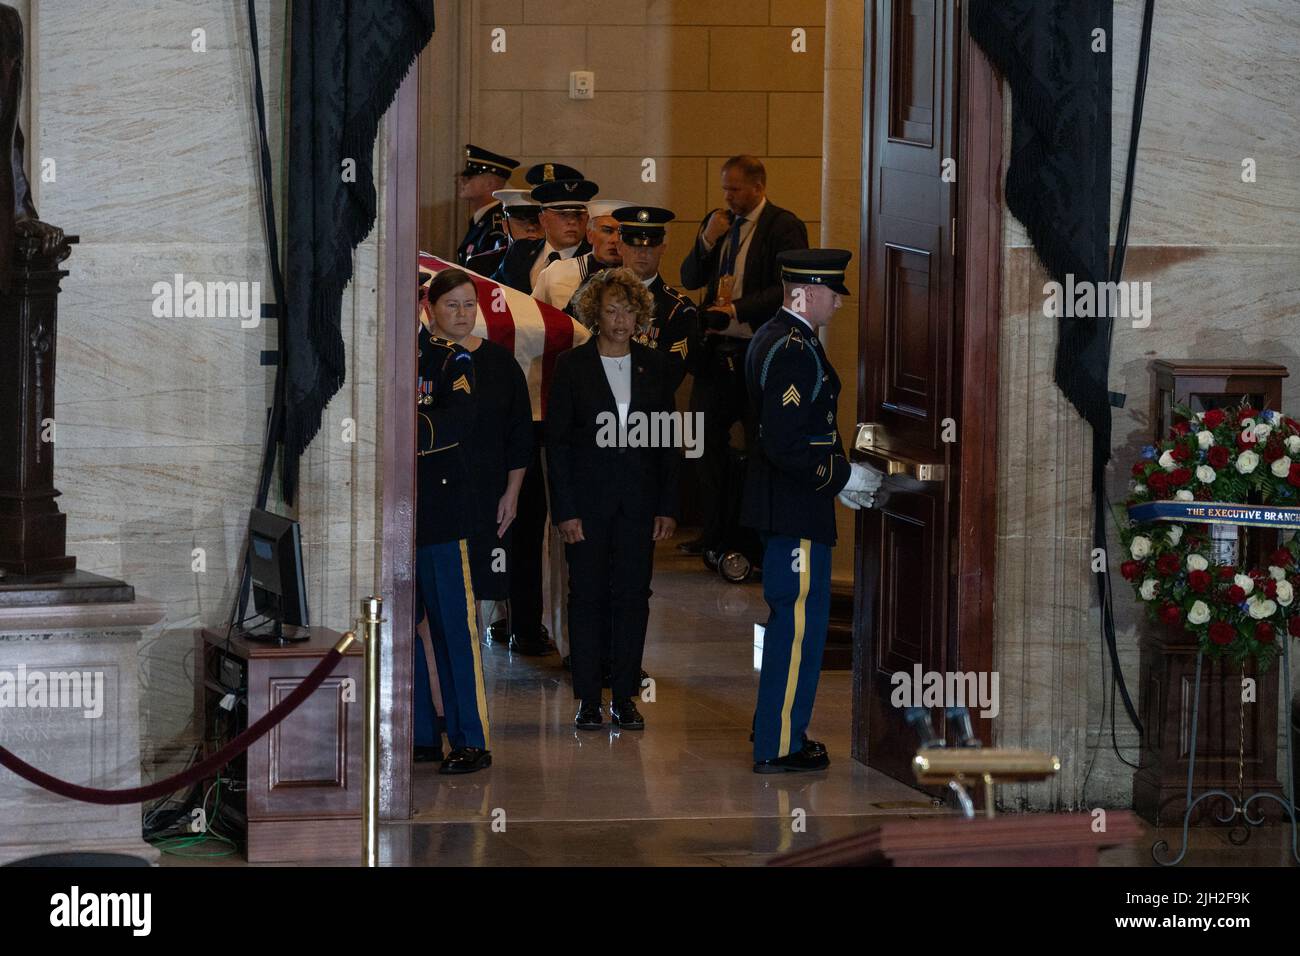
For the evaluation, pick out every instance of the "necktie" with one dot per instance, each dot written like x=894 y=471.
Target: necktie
x=552 y=257
x=733 y=246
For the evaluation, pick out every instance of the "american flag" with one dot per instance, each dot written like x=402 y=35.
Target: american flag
x=533 y=331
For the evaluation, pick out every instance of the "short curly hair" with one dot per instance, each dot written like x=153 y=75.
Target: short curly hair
x=623 y=281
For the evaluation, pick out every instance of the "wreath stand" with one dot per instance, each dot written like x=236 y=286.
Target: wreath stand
x=1239 y=805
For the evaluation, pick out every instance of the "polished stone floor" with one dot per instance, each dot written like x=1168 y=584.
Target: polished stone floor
x=683 y=790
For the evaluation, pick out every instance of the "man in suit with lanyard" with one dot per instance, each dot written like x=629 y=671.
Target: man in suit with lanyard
x=734 y=259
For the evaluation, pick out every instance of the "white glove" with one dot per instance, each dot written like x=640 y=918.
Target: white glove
x=863 y=478
x=856 y=499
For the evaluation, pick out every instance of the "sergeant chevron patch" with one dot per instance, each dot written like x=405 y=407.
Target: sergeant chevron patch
x=679 y=347
x=461 y=385
x=791 y=396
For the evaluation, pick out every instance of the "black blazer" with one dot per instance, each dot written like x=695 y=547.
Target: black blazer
x=518 y=263
x=777 y=230
x=591 y=482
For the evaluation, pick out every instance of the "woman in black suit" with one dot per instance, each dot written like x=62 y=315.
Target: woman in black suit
x=613 y=494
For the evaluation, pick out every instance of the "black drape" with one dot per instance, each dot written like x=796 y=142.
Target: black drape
x=348 y=57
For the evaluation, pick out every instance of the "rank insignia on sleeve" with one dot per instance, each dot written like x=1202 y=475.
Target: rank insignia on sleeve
x=791 y=396
x=679 y=347
x=821 y=471
x=830 y=417
x=461 y=385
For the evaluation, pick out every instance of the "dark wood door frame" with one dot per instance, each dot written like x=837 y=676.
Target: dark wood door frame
x=977 y=321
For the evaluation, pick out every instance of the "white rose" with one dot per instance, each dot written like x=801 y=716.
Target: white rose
x=1262 y=431
x=1285 y=593
x=1182 y=494
x=1167 y=461
x=1148 y=589
x=1139 y=489
x=1292 y=443
x=1199 y=614
x=1205 y=474
x=1247 y=461
x=1175 y=533
x=1139 y=547
x=1245 y=582
x=1260 y=608
x=1281 y=467
x=1196 y=563
x=1205 y=438
x=1276 y=573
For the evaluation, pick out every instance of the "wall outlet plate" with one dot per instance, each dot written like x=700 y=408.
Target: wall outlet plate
x=582 y=85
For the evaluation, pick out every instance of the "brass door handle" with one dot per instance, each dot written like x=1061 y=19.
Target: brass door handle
x=868 y=445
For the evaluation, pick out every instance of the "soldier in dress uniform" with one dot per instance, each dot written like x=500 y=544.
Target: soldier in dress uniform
x=793 y=479
x=675 y=330
x=484 y=173
x=560 y=280
x=445 y=522
x=521 y=224
x=563 y=218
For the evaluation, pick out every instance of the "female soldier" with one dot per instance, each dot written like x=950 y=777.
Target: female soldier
x=611 y=502
x=474 y=443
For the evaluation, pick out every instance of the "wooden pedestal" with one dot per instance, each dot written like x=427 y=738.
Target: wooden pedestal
x=303 y=779
x=1037 y=839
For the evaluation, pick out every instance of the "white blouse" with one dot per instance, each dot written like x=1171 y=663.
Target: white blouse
x=618 y=371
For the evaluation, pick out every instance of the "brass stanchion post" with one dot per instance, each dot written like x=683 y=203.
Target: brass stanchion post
x=372 y=611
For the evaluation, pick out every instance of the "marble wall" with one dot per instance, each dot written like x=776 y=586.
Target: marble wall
x=160 y=420
x=1221 y=256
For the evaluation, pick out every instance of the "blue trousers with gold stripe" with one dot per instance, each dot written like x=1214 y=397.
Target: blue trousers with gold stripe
x=797 y=587
x=447 y=592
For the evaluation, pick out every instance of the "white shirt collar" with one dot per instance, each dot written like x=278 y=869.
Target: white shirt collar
x=800 y=318
x=482 y=211
x=650 y=281
x=565 y=253
x=751 y=217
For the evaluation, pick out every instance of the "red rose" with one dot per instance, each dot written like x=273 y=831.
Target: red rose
x=1273 y=449
x=1218 y=456
x=1270 y=588
x=1236 y=595
x=1180 y=453
x=1226 y=573
x=1222 y=633
x=1180 y=476
x=1171 y=614
x=1293 y=626
x=1245 y=412
x=1264 y=632
x=1199 y=581
x=1167 y=564
x=1138 y=469
x=1130 y=569
x=1246 y=441
x=1203 y=493
x=1281 y=557
x=1293 y=476
x=1213 y=418
x=1292 y=424
x=1180 y=428
x=1159 y=484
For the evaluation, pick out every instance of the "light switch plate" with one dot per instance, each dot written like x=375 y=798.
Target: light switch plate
x=582 y=85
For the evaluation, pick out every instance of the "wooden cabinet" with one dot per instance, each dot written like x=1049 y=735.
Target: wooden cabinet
x=298 y=789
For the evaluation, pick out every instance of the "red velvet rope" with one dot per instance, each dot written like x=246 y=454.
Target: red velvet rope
x=194 y=774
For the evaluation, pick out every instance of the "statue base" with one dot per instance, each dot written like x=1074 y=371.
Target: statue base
x=62 y=588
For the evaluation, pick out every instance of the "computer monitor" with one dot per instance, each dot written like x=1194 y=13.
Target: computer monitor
x=275 y=562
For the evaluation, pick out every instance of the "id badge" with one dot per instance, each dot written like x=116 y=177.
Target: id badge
x=726 y=284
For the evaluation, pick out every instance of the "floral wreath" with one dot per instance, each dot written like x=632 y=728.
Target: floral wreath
x=1239 y=456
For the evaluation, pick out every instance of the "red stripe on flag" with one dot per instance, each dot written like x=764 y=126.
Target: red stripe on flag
x=559 y=338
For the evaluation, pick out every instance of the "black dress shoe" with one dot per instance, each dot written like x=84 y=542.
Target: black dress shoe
x=813 y=746
x=466 y=760
x=624 y=714
x=428 y=754
x=801 y=761
x=589 y=716
x=530 y=646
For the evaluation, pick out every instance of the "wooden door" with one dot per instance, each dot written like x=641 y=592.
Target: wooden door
x=927 y=398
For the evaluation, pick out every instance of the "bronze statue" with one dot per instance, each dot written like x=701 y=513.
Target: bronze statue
x=15 y=194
